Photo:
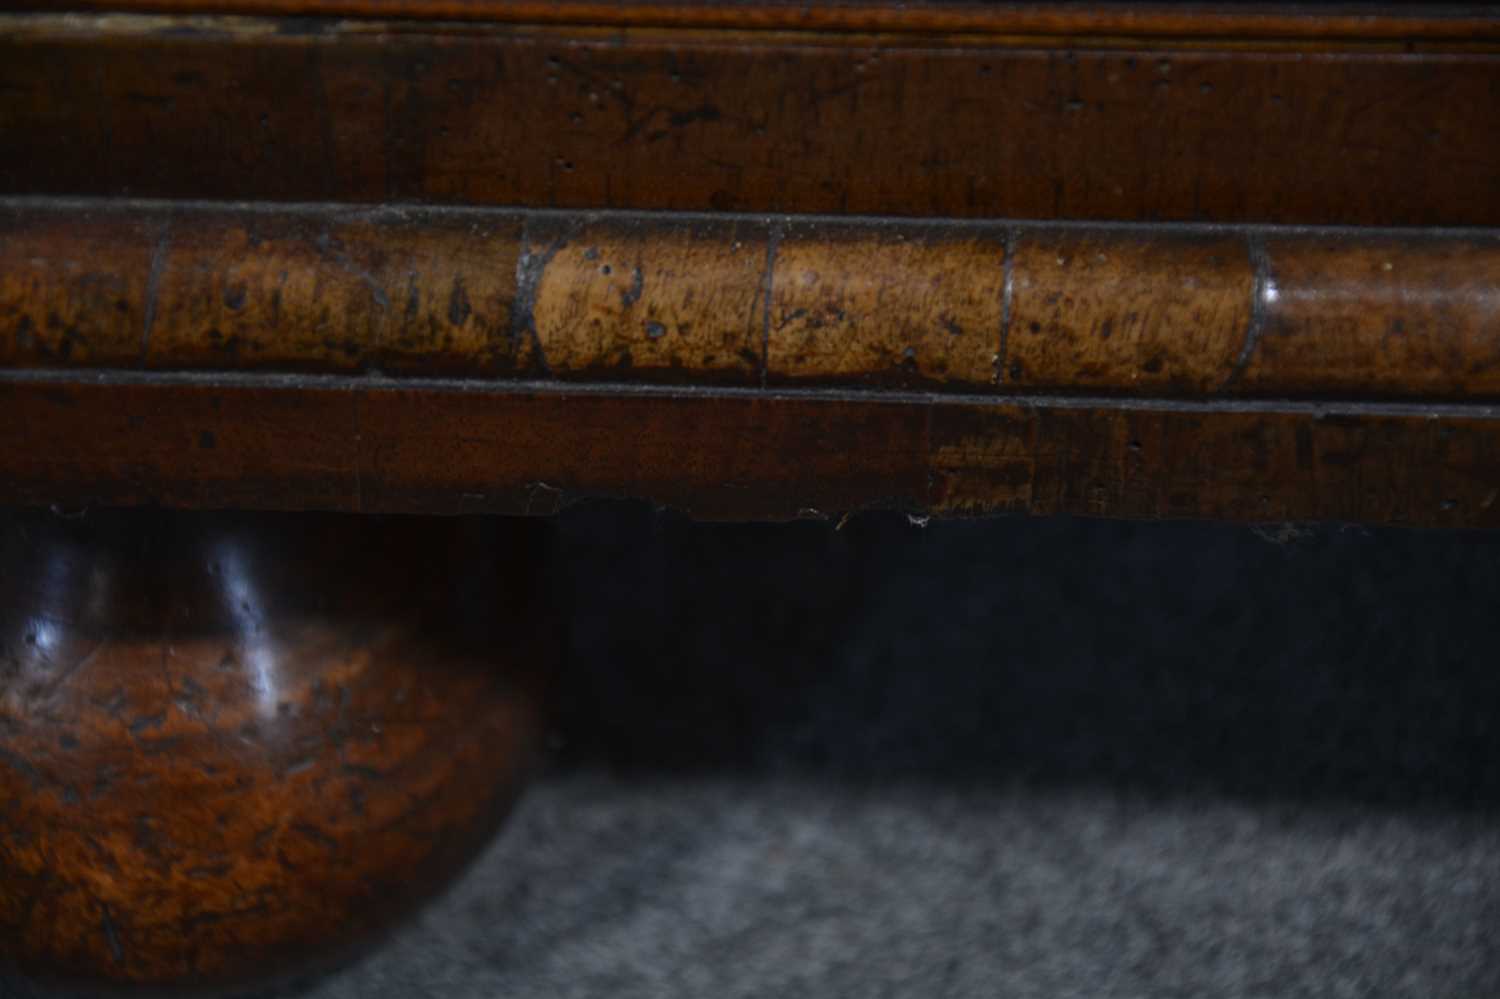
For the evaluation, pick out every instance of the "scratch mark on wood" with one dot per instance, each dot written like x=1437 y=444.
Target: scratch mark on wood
x=62 y=675
x=153 y=284
x=23 y=767
x=773 y=244
x=330 y=249
x=111 y=934
x=530 y=267
x=312 y=833
x=631 y=295
x=458 y=303
x=674 y=120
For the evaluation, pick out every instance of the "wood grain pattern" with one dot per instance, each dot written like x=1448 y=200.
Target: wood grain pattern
x=231 y=745
x=1162 y=312
x=751 y=259
x=360 y=294
x=247 y=290
x=653 y=299
x=892 y=305
x=74 y=287
x=1376 y=314
x=1196 y=125
x=1410 y=467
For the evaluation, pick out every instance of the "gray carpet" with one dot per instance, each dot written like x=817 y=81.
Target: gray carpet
x=1011 y=758
x=691 y=888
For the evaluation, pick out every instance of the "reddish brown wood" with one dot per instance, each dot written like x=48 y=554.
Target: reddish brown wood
x=1344 y=120
x=742 y=367
x=1326 y=23
x=232 y=745
x=1379 y=313
x=737 y=354
x=349 y=444
x=747 y=260
x=1417 y=467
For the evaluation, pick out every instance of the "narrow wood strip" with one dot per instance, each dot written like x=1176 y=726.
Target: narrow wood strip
x=431 y=447
x=1320 y=22
x=1162 y=311
x=746 y=121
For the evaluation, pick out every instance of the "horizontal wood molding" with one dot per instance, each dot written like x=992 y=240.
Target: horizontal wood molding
x=449 y=361
x=1186 y=312
x=428 y=446
x=752 y=260
x=1044 y=113
x=1346 y=23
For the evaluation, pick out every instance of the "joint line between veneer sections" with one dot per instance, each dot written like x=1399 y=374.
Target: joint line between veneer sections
x=159 y=248
x=521 y=305
x=773 y=246
x=861 y=23
x=1007 y=298
x=551 y=387
x=407 y=211
x=1262 y=289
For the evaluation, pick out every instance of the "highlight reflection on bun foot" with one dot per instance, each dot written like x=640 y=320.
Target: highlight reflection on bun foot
x=236 y=745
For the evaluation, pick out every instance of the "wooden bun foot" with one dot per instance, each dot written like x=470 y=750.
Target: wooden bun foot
x=236 y=746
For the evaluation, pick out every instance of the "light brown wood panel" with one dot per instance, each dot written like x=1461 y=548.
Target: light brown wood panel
x=1114 y=311
x=889 y=305
x=649 y=299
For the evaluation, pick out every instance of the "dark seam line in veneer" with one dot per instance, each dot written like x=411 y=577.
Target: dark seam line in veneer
x=773 y=243
x=413 y=212
x=1260 y=265
x=384 y=383
x=341 y=18
x=153 y=284
x=530 y=268
x=523 y=306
